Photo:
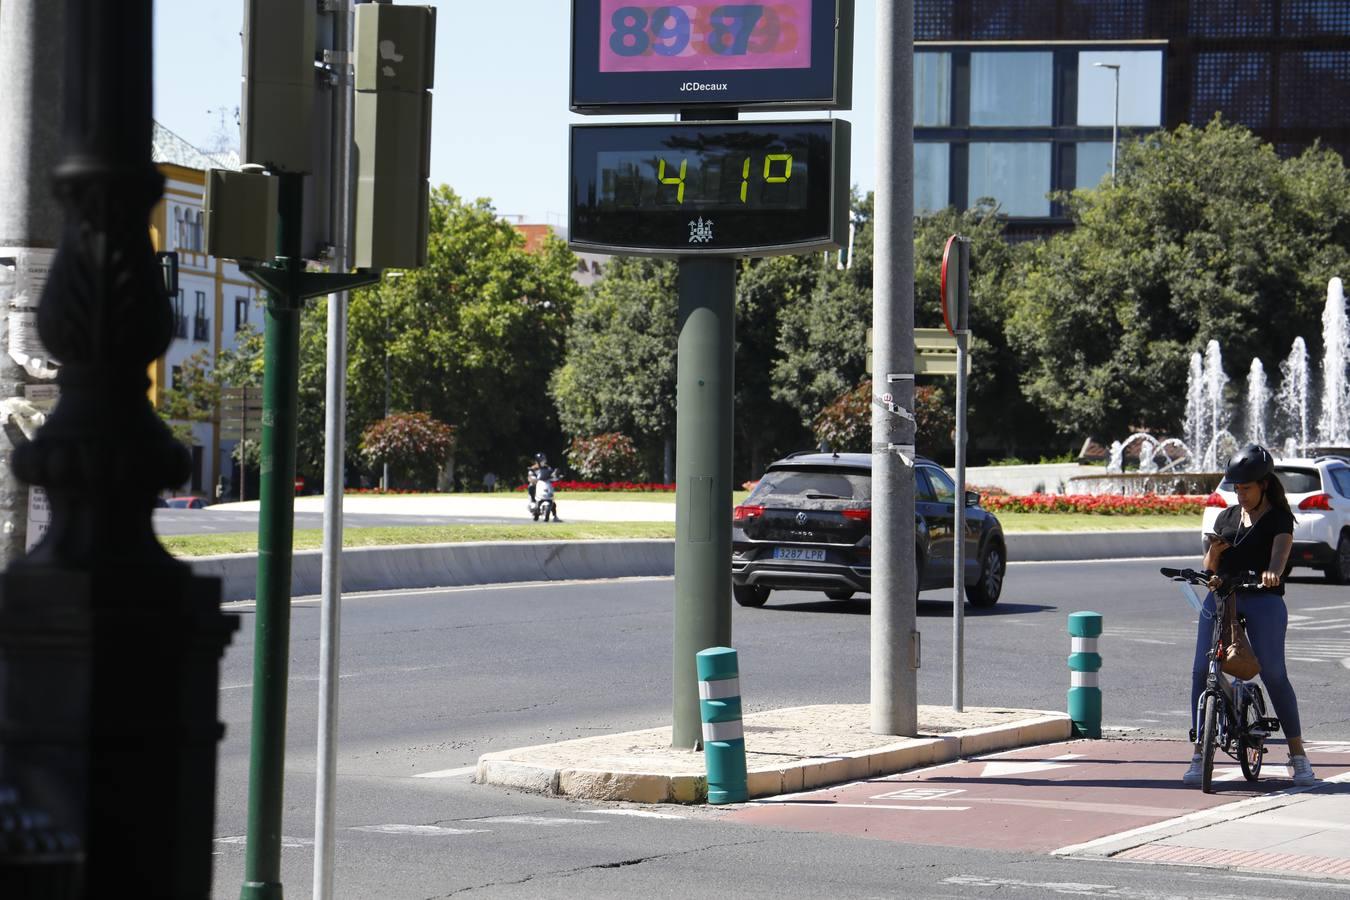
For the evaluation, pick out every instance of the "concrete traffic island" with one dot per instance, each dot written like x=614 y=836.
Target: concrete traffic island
x=787 y=750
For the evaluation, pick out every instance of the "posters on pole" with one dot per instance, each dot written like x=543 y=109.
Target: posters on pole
x=23 y=275
x=43 y=397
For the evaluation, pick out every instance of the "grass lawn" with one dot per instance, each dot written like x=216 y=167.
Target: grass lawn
x=312 y=538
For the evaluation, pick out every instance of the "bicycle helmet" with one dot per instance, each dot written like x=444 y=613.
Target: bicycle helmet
x=1252 y=463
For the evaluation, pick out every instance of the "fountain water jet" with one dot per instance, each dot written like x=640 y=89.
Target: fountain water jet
x=1194 y=432
x=1333 y=426
x=1292 y=400
x=1258 y=398
x=1215 y=380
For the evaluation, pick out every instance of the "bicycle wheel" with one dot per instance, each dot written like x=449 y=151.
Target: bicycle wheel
x=1207 y=743
x=1251 y=749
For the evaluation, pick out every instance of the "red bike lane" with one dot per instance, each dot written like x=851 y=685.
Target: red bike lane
x=1035 y=799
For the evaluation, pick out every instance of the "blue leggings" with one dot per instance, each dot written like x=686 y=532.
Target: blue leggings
x=1267 y=619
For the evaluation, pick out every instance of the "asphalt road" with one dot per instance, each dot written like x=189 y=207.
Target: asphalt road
x=432 y=679
x=201 y=521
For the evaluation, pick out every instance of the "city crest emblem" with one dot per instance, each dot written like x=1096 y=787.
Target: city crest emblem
x=700 y=232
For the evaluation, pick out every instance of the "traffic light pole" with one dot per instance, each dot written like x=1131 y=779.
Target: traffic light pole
x=288 y=285
x=894 y=639
x=704 y=402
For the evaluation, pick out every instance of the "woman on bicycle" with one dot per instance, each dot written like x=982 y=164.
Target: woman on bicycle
x=1254 y=536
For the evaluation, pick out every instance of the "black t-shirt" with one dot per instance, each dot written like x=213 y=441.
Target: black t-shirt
x=1250 y=548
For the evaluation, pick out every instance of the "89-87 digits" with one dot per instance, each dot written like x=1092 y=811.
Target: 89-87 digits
x=726 y=30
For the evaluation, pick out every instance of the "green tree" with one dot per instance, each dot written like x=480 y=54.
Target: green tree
x=471 y=338
x=619 y=373
x=1207 y=235
x=191 y=397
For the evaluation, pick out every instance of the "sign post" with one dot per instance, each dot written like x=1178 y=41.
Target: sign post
x=706 y=190
x=241 y=419
x=956 y=316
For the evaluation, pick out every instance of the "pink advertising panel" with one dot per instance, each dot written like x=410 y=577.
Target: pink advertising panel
x=703 y=35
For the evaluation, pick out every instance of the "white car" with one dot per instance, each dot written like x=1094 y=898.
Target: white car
x=1319 y=494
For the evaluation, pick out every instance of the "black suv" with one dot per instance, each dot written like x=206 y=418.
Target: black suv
x=807 y=527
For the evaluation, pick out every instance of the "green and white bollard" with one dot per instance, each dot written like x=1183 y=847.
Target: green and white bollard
x=719 y=696
x=1085 y=697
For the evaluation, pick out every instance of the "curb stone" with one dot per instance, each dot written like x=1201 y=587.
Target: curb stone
x=455 y=565
x=809 y=772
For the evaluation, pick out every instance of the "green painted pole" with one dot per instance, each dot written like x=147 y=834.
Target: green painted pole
x=703 y=417
x=1085 y=696
x=276 y=518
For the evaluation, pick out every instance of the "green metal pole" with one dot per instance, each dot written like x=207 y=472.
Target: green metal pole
x=276 y=518
x=703 y=438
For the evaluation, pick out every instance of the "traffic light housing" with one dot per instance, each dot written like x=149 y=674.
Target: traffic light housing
x=278 y=86
x=394 y=48
x=241 y=221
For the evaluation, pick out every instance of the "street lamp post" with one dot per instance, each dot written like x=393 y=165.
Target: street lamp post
x=1115 y=114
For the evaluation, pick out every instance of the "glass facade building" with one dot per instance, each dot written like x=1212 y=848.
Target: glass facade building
x=1014 y=99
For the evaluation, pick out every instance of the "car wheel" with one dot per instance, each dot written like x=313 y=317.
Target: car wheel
x=1338 y=572
x=839 y=595
x=749 y=594
x=986 y=590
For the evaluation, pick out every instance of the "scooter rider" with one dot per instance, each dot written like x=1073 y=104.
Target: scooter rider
x=1254 y=536
x=537 y=468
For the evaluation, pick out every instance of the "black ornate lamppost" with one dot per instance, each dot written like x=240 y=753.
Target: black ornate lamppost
x=109 y=647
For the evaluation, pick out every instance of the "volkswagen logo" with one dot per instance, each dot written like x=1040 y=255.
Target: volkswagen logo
x=801 y=518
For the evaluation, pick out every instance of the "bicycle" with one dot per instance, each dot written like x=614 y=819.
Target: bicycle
x=1232 y=711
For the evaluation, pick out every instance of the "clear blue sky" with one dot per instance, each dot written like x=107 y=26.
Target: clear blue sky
x=500 y=98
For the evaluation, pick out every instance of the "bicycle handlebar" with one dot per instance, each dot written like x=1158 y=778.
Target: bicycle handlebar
x=1191 y=576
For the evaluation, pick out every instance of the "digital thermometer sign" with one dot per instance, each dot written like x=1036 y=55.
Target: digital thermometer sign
x=709 y=188
x=639 y=55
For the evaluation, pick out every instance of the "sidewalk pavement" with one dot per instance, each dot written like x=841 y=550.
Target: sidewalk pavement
x=787 y=750
x=489 y=506
x=1299 y=830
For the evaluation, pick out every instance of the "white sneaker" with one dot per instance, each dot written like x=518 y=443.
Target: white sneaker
x=1301 y=771
x=1196 y=772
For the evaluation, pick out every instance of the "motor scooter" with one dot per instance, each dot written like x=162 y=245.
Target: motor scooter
x=544 y=505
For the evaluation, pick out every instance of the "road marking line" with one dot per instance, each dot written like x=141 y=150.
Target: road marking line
x=425 y=830
x=1324 y=608
x=823 y=806
x=448 y=773
x=637 y=813
x=1228 y=773
x=1215 y=812
x=548 y=821
x=1019 y=767
x=286 y=841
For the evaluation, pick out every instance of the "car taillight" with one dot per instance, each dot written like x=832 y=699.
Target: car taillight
x=1216 y=500
x=1316 y=501
x=747 y=512
x=860 y=515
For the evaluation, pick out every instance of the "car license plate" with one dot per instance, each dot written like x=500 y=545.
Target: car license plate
x=804 y=553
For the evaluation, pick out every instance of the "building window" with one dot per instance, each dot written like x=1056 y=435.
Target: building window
x=1011 y=88
x=241 y=305
x=1306 y=18
x=179 y=233
x=1093 y=163
x=198 y=237
x=1232 y=18
x=201 y=325
x=932 y=89
x=932 y=176
x=1141 y=74
x=1016 y=175
x=179 y=319
x=176 y=378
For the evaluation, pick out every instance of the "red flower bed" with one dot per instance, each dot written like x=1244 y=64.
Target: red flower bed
x=632 y=486
x=1097 y=504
